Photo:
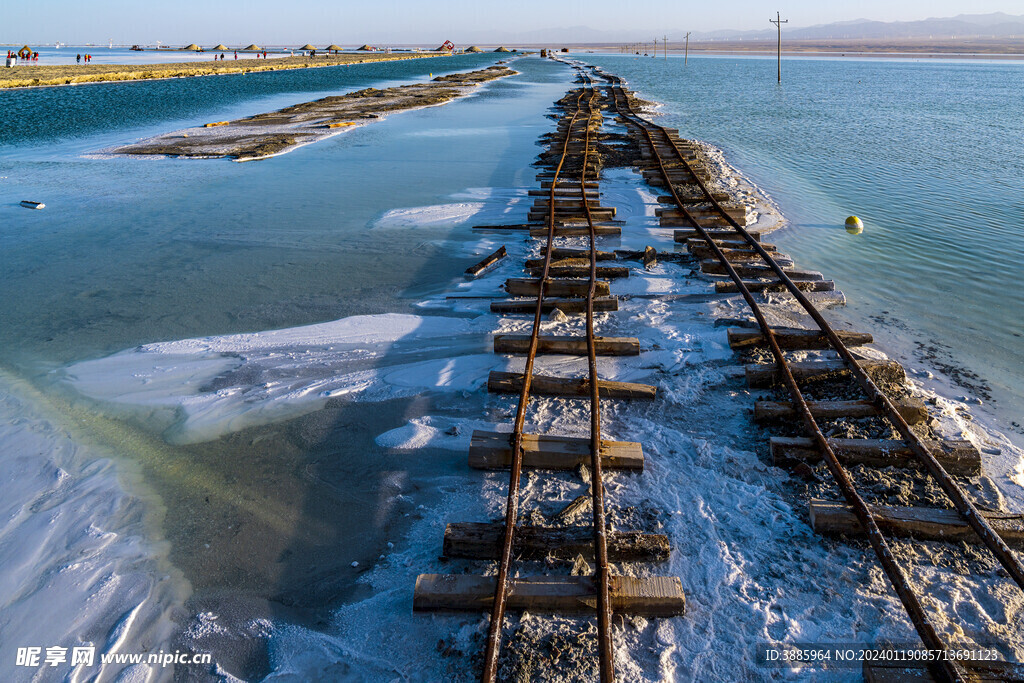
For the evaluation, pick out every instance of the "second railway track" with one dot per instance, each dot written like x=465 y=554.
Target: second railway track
x=813 y=376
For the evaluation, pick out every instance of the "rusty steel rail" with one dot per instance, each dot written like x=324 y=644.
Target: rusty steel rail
x=605 y=647
x=968 y=511
x=945 y=669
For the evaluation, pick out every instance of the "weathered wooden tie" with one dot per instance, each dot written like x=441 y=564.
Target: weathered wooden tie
x=562 y=258
x=956 y=456
x=896 y=671
x=558 y=253
x=573 y=287
x=573 y=346
x=656 y=596
x=794 y=338
x=567 y=214
x=493 y=450
x=580 y=271
x=757 y=271
x=577 y=231
x=776 y=286
x=768 y=374
x=506 y=226
x=601 y=304
x=733 y=243
x=733 y=255
x=565 y=203
x=698 y=199
x=482 y=541
x=686 y=235
x=928 y=524
x=487 y=262
x=566 y=192
x=709 y=220
x=499 y=382
x=912 y=410
x=737 y=214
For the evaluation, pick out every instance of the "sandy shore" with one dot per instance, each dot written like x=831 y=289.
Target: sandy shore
x=31 y=76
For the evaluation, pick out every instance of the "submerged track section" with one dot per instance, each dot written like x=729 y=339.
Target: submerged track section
x=834 y=384
x=570 y=281
x=674 y=169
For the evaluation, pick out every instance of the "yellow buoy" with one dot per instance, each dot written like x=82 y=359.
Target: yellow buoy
x=854 y=226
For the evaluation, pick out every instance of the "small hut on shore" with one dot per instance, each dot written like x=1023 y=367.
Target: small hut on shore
x=473 y=48
x=503 y=49
x=193 y=47
x=254 y=48
x=308 y=46
x=334 y=48
x=219 y=48
x=367 y=48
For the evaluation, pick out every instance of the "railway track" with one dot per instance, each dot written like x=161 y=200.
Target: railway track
x=753 y=267
x=573 y=281
x=580 y=281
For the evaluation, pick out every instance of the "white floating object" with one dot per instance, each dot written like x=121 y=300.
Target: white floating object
x=33 y=205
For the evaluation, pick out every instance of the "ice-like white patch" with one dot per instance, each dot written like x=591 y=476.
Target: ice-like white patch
x=437 y=215
x=432 y=432
x=78 y=569
x=198 y=389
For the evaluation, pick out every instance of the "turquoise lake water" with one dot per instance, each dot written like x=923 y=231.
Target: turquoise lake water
x=131 y=251
x=925 y=152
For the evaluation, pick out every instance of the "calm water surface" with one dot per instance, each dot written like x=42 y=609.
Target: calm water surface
x=926 y=152
x=264 y=522
x=129 y=251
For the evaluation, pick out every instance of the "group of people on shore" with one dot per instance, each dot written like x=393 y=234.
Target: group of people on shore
x=23 y=54
x=78 y=58
x=221 y=57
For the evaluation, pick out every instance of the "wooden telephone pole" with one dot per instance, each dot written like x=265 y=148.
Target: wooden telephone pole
x=686 y=54
x=779 y=21
x=664 y=44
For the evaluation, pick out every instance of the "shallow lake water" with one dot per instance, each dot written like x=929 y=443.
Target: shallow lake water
x=923 y=151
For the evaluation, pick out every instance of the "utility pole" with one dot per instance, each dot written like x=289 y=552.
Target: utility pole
x=664 y=44
x=779 y=21
x=686 y=54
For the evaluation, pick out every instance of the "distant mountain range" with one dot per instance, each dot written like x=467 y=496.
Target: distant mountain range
x=995 y=25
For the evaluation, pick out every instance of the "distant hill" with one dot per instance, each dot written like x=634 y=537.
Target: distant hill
x=995 y=25
x=998 y=25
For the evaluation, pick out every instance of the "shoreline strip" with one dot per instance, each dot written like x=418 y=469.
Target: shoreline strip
x=63 y=75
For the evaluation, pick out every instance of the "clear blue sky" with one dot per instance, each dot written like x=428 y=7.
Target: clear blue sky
x=427 y=21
